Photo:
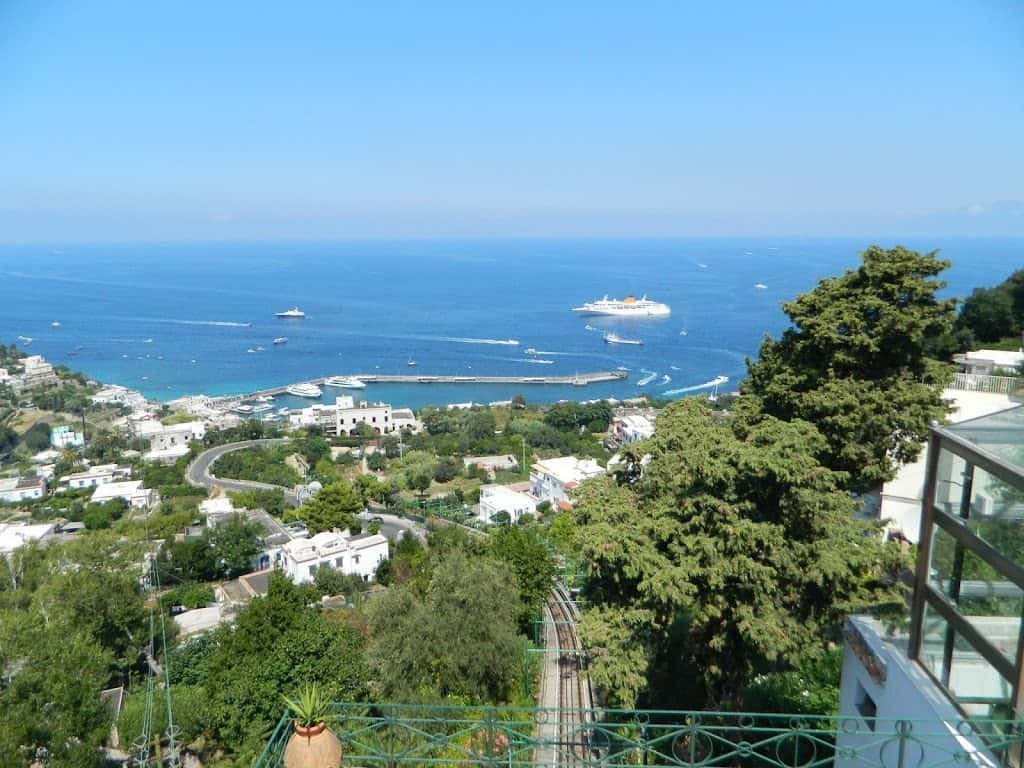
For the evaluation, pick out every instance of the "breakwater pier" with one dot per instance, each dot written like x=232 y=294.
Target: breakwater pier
x=575 y=380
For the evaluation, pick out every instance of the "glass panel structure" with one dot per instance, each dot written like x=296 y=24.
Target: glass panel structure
x=969 y=589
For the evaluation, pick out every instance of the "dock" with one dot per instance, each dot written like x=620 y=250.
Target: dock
x=575 y=380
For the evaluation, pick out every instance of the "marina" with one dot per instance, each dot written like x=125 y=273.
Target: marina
x=575 y=380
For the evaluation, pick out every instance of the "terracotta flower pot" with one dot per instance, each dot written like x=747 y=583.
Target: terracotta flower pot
x=312 y=747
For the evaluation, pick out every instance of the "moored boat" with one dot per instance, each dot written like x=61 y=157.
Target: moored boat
x=291 y=314
x=345 y=382
x=304 y=390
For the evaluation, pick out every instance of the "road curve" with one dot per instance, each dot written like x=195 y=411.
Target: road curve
x=199 y=475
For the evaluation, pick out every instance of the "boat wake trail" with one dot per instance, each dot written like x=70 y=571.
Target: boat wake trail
x=682 y=390
x=171 y=321
x=468 y=340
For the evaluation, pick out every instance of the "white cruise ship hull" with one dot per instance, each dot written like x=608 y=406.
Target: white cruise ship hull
x=661 y=311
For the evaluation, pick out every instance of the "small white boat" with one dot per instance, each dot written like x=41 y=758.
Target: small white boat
x=589 y=327
x=251 y=351
x=345 y=382
x=682 y=332
x=304 y=390
x=540 y=362
x=281 y=340
x=760 y=286
x=612 y=338
x=55 y=324
x=531 y=351
x=411 y=363
x=244 y=410
x=262 y=408
x=265 y=399
x=291 y=314
x=666 y=379
x=25 y=339
x=647 y=379
x=261 y=349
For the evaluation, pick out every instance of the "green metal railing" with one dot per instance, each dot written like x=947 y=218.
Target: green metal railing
x=402 y=736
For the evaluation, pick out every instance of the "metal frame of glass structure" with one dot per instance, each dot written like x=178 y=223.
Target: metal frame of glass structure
x=968 y=557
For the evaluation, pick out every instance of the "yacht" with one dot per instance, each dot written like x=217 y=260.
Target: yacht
x=345 y=382
x=611 y=338
x=304 y=390
x=411 y=363
x=531 y=351
x=55 y=324
x=281 y=340
x=291 y=314
x=760 y=286
x=627 y=307
x=262 y=408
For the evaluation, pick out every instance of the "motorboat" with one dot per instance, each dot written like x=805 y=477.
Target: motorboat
x=281 y=340
x=531 y=351
x=304 y=390
x=612 y=338
x=627 y=307
x=647 y=380
x=291 y=314
x=345 y=382
x=55 y=324
x=262 y=408
x=760 y=287
x=411 y=363
x=540 y=362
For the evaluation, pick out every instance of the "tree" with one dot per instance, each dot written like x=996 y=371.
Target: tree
x=445 y=470
x=376 y=462
x=458 y=640
x=420 y=482
x=734 y=551
x=479 y=425
x=526 y=553
x=234 y=542
x=518 y=402
x=37 y=438
x=855 y=363
x=183 y=562
x=275 y=645
x=334 y=507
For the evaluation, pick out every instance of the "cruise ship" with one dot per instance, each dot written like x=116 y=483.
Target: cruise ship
x=627 y=307
x=345 y=382
x=304 y=390
x=291 y=314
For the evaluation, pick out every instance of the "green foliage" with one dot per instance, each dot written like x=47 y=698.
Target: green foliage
x=570 y=416
x=276 y=645
x=311 y=706
x=527 y=554
x=992 y=314
x=190 y=596
x=271 y=501
x=37 y=438
x=420 y=482
x=445 y=470
x=263 y=464
x=189 y=708
x=855 y=363
x=810 y=688
x=457 y=639
x=733 y=550
x=235 y=542
x=334 y=507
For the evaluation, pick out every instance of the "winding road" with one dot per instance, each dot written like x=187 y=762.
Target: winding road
x=199 y=475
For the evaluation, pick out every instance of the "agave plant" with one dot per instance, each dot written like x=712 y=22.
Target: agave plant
x=311 y=706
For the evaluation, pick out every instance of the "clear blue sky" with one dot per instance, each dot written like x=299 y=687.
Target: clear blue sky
x=187 y=120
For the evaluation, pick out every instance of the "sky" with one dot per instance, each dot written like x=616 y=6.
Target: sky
x=249 y=120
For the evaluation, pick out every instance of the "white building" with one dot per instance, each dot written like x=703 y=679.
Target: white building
x=115 y=394
x=177 y=435
x=98 y=475
x=36 y=372
x=350 y=415
x=320 y=415
x=501 y=498
x=15 y=535
x=300 y=558
x=630 y=428
x=554 y=479
x=15 y=489
x=983 y=362
x=492 y=464
x=404 y=420
x=216 y=510
x=6 y=379
x=64 y=437
x=131 y=491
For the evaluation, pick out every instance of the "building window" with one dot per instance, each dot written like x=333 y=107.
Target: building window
x=339 y=562
x=312 y=570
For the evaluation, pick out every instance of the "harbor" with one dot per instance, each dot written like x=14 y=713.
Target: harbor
x=575 y=380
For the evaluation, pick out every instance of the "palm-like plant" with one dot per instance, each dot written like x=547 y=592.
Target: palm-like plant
x=311 y=707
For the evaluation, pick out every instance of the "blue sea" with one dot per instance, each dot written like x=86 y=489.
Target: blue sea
x=175 y=319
